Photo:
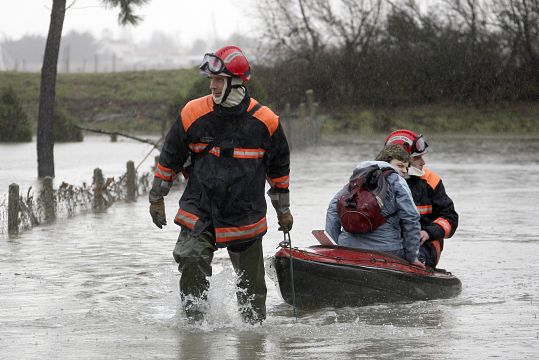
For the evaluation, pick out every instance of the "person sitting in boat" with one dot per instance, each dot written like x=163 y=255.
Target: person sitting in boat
x=400 y=233
x=439 y=219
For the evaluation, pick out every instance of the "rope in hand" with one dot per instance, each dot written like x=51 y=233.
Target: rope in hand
x=289 y=243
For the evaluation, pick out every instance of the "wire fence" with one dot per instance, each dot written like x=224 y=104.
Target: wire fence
x=23 y=211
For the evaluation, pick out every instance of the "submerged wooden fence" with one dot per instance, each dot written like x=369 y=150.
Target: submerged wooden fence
x=24 y=212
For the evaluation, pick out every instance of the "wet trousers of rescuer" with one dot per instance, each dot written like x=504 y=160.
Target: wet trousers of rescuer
x=194 y=256
x=427 y=254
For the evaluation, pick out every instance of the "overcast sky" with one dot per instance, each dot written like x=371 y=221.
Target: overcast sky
x=185 y=19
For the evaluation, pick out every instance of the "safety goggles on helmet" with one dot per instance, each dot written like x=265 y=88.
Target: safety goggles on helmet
x=214 y=65
x=418 y=146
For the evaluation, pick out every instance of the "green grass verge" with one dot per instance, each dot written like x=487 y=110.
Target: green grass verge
x=138 y=102
x=123 y=100
x=441 y=118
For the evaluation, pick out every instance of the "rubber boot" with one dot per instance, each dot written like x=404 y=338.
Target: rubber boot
x=193 y=292
x=194 y=256
x=248 y=262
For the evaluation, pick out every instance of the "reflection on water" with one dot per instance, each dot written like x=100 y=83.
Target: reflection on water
x=104 y=286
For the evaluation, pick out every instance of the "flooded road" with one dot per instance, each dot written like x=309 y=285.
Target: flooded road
x=105 y=286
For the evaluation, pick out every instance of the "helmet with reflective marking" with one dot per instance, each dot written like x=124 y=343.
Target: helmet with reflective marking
x=227 y=61
x=414 y=144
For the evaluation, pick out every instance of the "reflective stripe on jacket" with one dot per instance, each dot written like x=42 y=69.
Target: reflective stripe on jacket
x=438 y=216
x=225 y=189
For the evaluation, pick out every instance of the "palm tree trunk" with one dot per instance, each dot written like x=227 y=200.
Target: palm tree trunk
x=47 y=93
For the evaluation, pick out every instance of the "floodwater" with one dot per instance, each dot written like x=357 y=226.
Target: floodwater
x=104 y=286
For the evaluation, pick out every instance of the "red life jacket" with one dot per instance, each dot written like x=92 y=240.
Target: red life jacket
x=360 y=207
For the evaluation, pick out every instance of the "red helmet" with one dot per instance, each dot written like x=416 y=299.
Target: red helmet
x=227 y=61
x=414 y=144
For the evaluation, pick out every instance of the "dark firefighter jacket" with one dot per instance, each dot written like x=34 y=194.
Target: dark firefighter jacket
x=225 y=187
x=438 y=216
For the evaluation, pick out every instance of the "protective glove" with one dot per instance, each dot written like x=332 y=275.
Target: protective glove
x=157 y=211
x=285 y=222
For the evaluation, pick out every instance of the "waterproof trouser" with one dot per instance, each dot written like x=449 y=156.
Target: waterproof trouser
x=427 y=255
x=194 y=256
x=248 y=261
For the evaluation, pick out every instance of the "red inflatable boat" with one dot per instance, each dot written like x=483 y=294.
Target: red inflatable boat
x=331 y=275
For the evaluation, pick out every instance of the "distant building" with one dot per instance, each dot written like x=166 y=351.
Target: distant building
x=82 y=53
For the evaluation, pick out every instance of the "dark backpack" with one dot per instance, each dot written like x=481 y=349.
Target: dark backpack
x=360 y=207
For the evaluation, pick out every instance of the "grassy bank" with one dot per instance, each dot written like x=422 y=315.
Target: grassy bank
x=518 y=118
x=137 y=102
x=134 y=101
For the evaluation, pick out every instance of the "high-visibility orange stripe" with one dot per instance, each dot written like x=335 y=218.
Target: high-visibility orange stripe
x=239 y=153
x=445 y=225
x=431 y=178
x=267 y=117
x=164 y=173
x=224 y=235
x=280 y=182
x=424 y=209
x=197 y=147
x=252 y=104
x=195 y=109
x=185 y=218
x=438 y=248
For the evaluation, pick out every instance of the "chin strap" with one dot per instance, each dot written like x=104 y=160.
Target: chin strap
x=228 y=89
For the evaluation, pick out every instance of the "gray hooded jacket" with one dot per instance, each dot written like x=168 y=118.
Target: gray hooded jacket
x=399 y=235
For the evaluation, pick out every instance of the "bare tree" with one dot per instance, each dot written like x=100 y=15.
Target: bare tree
x=307 y=27
x=353 y=23
x=519 y=21
x=47 y=93
x=354 y=27
x=389 y=52
x=322 y=42
x=289 y=27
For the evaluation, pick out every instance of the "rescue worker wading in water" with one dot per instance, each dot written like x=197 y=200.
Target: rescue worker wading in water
x=234 y=145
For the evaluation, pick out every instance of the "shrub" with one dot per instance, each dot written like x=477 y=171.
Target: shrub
x=14 y=123
x=64 y=127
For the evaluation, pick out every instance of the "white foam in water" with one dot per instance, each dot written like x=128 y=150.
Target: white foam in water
x=221 y=307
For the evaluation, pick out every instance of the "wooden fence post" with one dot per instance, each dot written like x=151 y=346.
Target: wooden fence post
x=309 y=94
x=98 y=203
x=13 y=209
x=47 y=197
x=313 y=128
x=302 y=112
x=131 y=178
